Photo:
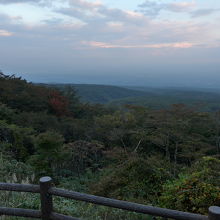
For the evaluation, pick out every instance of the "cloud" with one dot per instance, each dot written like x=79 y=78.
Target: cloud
x=96 y=12
x=81 y=9
x=203 y=12
x=85 y=4
x=83 y=24
x=153 y=8
x=8 y=21
x=180 y=6
x=157 y=46
x=5 y=33
x=40 y=3
x=17 y=1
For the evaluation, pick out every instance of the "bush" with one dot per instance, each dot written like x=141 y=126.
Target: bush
x=195 y=191
x=136 y=179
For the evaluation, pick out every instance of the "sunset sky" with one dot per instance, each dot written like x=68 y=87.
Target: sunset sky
x=122 y=42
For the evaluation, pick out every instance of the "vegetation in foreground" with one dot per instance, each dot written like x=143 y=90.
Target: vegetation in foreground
x=167 y=158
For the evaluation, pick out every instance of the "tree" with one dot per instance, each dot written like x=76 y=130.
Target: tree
x=49 y=153
x=82 y=155
x=134 y=179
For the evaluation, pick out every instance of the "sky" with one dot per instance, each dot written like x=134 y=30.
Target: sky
x=117 y=42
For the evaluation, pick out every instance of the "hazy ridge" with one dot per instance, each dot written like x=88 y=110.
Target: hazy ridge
x=156 y=98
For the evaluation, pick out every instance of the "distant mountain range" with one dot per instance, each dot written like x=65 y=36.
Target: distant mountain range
x=206 y=99
x=104 y=93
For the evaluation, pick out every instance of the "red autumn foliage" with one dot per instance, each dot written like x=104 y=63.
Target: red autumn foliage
x=59 y=104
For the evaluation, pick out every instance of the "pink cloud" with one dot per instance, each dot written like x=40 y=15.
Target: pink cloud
x=98 y=44
x=4 y=33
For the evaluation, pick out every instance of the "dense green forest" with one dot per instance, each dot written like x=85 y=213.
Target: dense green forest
x=163 y=157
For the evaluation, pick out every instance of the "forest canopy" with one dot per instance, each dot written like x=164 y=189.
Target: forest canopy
x=167 y=157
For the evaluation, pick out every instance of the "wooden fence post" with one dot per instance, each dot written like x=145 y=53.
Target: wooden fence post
x=214 y=213
x=46 y=198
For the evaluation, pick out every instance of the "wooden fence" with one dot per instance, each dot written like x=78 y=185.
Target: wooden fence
x=46 y=191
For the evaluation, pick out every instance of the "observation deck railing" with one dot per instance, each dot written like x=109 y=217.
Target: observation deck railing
x=46 y=191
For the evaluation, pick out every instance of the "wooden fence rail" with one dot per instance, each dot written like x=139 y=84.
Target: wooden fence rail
x=46 y=192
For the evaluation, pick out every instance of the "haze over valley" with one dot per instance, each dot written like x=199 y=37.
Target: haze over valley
x=134 y=43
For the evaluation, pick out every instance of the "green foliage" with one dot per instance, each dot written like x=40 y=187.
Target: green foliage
x=31 y=97
x=16 y=141
x=27 y=98
x=135 y=179
x=195 y=191
x=88 y=211
x=39 y=121
x=7 y=113
x=82 y=155
x=84 y=210
x=48 y=154
x=14 y=171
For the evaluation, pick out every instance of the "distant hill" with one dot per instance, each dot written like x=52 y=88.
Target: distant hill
x=102 y=94
x=207 y=100
x=156 y=98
